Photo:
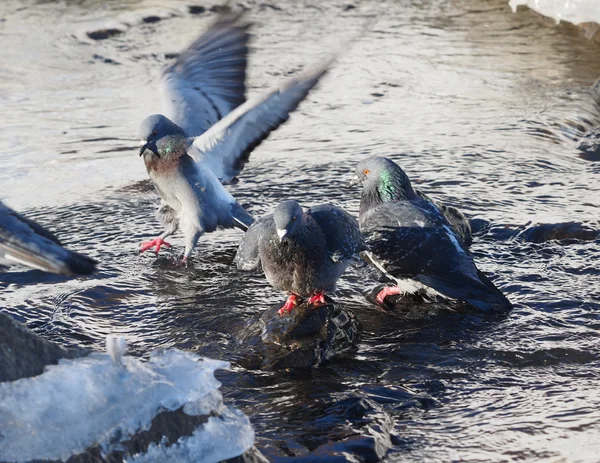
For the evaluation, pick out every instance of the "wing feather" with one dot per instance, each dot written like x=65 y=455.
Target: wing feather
x=208 y=79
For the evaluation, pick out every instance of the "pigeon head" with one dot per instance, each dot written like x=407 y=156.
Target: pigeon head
x=288 y=218
x=161 y=138
x=382 y=179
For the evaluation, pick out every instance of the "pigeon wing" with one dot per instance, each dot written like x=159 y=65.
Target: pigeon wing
x=247 y=256
x=343 y=238
x=208 y=79
x=431 y=254
x=22 y=242
x=226 y=146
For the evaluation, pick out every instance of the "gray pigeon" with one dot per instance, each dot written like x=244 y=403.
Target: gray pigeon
x=23 y=242
x=302 y=253
x=413 y=244
x=209 y=132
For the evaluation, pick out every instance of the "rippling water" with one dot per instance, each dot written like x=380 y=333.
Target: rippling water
x=482 y=107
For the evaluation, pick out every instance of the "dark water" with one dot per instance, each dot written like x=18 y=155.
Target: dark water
x=483 y=108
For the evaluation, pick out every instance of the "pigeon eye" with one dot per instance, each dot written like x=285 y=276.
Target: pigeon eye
x=154 y=132
x=366 y=171
x=293 y=219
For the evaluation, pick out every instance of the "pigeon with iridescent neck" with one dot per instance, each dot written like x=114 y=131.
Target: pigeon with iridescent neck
x=25 y=243
x=303 y=253
x=412 y=243
x=209 y=131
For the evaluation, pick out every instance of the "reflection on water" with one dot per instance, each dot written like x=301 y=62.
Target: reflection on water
x=482 y=107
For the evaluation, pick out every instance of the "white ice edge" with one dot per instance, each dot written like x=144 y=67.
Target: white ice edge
x=573 y=11
x=105 y=399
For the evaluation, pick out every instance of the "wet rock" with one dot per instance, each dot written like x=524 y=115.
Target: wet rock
x=196 y=9
x=590 y=144
x=538 y=233
x=102 y=34
x=559 y=231
x=151 y=19
x=306 y=337
x=24 y=354
x=252 y=455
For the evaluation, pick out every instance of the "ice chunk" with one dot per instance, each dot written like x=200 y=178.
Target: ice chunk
x=573 y=11
x=222 y=437
x=105 y=399
x=116 y=347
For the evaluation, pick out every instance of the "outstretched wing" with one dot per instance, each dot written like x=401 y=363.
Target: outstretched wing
x=343 y=238
x=226 y=146
x=23 y=242
x=208 y=79
x=247 y=256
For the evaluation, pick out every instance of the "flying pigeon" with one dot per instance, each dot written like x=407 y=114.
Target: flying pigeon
x=413 y=244
x=23 y=242
x=303 y=253
x=209 y=130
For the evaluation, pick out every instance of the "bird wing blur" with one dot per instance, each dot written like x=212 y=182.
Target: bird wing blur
x=408 y=241
x=208 y=79
x=23 y=242
x=342 y=235
x=226 y=146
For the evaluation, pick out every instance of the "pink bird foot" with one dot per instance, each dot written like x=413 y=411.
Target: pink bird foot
x=317 y=298
x=385 y=292
x=292 y=301
x=156 y=243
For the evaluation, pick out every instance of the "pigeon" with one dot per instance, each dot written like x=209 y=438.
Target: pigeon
x=208 y=131
x=23 y=242
x=303 y=253
x=412 y=242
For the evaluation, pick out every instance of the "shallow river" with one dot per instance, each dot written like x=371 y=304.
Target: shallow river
x=482 y=107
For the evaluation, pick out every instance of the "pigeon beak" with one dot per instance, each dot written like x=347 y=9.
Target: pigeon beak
x=146 y=145
x=281 y=234
x=355 y=181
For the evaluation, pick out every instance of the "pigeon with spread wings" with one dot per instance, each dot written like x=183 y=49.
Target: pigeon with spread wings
x=209 y=131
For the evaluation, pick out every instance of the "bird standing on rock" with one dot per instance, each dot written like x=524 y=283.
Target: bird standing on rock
x=303 y=253
x=24 y=242
x=413 y=244
x=210 y=132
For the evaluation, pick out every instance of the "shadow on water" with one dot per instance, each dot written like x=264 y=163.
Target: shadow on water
x=483 y=108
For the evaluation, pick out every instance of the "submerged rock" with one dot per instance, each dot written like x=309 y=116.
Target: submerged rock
x=559 y=231
x=306 y=337
x=538 y=233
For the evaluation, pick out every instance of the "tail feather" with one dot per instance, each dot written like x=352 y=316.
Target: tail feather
x=481 y=294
